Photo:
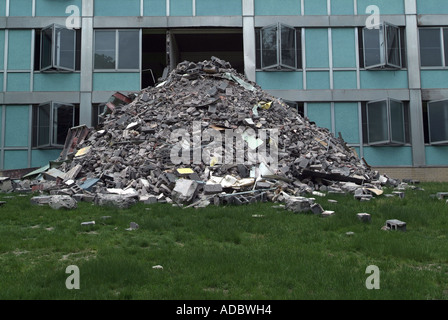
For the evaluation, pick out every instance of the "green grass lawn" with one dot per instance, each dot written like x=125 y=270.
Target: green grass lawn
x=246 y=252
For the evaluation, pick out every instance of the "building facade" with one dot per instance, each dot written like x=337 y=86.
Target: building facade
x=373 y=71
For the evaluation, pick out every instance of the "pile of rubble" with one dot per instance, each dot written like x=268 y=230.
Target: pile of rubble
x=168 y=144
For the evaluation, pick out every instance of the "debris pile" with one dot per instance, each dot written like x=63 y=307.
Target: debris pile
x=206 y=135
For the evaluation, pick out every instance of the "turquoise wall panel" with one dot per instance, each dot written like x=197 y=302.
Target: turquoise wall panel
x=316 y=48
x=40 y=158
x=1 y=81
x=1 y=129
x=2 y=8
x=316 y=7
x=17 y=126
x=280 y=80
x=385 y=6
x=436 y=155
x=342 y=7
x=18 y=82
x=347 y=121
x=432 y=6
x=344 y=47
x=55 y=8
x=317 y=80
x=219 y=8
x=384 y=79
x=2 y=49
x=154 y=7
x=15 y=159
x=181 y=8
x=21 y=8
x=56 y=82
x=434 y=79
x=320 y=113
x=344 y=80
x=19 y=50
x=388 y=156
x=117 y=8
x=271 y=7
x=121 y=81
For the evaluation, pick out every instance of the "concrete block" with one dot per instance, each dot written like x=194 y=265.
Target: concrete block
x=395 y=224
x=364 y=217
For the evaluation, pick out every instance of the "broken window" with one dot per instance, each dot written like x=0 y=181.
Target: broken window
x=437 y=112
x=433 y=47
x=51 y=122
x=382 y=47
x=278 y=48
x=58 y=49
x=386 y=122
x=117 y=50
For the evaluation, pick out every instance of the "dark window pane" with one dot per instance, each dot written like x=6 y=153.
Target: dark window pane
x=438 y=121
x=299 y=48
x=397 y=121
x=258 y=48
x=288 y=46
x=65 y=48
x=269 y=47
x=46 y=60
x=373 y=47
x=430 y=48
x=105 y=49
x=128 y=50
x=43 y=137
x=445 y=43
x=393 y=53
x=62 y=122
x=378 y=125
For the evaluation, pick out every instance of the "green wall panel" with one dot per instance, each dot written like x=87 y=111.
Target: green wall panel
x=320 y=113
x=344 y=80
x=317 y=80
x=2 y=8
x=271 y=7
x=181 y=8
x=432 y=6
x=2 y=49
x=280 y=80
x=436 y=155
x=19 y=50
x=40 y=158
x=117 y=81
x=385 y=6
x=56 y=82
x=17 y=126
x=347 y=121
x=384 y=79
x=316 y=48
x=117 y=8
x=344 y=49
x=15 y=159
x=154 y=8
x=55 y=8
x=316 y=7
x=388 y=156
x=342 y=7
x=20 y=8
x=219 y=8
x=18 y=82
x=435 y=79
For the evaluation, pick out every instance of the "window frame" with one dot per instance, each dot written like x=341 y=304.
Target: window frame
x=117 y=50
x=279 y=65
x=52 y=140
x=441 y=142
x=383 y=47
x=55 y=51
x=389 y=141
x=443 y=50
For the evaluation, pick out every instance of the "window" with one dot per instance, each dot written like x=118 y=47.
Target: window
x=117 y=50
x=278 y=48
x=437 y=125
x=382 y=47
x=299 y=106
x=433 y=47
x=51 y=122
x=57 y=49
x=386 y=123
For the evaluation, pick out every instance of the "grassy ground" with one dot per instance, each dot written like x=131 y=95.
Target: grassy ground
x=246 y=252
